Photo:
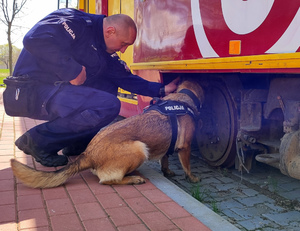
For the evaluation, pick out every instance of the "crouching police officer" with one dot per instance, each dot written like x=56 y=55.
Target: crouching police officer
x=70 y=75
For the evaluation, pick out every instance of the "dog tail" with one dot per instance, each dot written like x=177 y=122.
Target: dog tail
x=43 y=179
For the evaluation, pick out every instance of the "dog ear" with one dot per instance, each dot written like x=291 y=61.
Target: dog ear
x=187 y=78
x=182 y=78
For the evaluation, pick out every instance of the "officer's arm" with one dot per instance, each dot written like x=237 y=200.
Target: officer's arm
x=122 y=76
x=80 y=79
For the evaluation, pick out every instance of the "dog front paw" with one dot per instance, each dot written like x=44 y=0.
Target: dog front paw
x=193 y=179
x=168 y=172
x=137 y=180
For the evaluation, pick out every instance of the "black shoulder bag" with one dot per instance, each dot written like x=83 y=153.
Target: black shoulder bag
x=19 y=96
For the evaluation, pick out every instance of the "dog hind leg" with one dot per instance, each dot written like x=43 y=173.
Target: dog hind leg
x=164 y=162
x=126 y=180
x=133 y=155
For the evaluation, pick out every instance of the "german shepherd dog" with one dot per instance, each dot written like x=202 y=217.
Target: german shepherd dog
x=122 y=147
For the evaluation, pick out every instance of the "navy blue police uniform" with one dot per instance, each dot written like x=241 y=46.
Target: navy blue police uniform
x=55 y=50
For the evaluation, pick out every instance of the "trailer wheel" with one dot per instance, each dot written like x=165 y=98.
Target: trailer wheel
x=216 y=137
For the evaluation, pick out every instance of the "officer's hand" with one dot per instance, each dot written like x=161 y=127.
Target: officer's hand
x=80 y=79
x=172 y=86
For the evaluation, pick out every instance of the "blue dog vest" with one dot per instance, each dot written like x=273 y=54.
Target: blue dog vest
x=172 y=109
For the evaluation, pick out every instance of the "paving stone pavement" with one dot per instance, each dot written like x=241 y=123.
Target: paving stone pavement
x=264 y=200
x=83 y=204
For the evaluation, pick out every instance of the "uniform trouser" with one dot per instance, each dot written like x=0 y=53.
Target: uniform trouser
x=75 y=114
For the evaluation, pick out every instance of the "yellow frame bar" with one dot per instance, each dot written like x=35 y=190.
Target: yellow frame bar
x=270 y=61
x=131 y=101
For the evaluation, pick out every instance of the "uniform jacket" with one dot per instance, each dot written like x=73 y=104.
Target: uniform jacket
x=57 y=47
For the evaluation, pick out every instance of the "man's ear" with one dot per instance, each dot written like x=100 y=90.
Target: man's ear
x=110 y=31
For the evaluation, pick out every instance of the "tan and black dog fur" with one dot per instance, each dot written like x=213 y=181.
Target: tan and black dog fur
x=122 y=147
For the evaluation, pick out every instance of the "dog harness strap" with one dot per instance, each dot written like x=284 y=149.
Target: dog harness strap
x=193 y=97
x=173 y=119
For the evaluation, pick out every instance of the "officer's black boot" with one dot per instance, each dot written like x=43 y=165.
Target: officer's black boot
x=27 y=145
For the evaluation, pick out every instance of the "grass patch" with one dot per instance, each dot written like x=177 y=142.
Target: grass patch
x=273 y=183
x=214 y=206
x=3 y=74
x=204 y=196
